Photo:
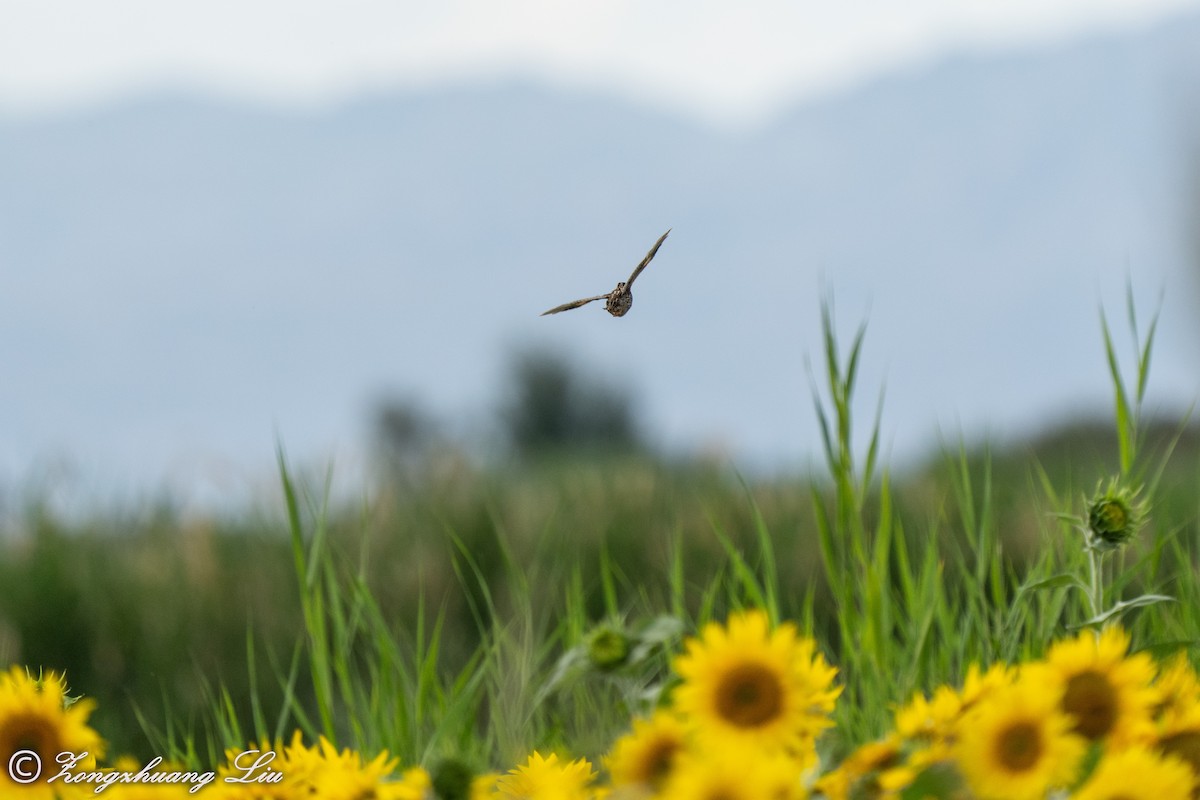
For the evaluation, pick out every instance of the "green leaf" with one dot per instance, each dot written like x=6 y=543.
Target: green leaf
x=1126 y=605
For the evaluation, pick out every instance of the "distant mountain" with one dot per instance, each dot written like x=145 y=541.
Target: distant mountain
x=185 y=279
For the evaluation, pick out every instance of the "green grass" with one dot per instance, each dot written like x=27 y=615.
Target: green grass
x=449 y=617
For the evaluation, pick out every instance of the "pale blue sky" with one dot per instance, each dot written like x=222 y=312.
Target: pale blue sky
x=732 y=62
x=136 y=379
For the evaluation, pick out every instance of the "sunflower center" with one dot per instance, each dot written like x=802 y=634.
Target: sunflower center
x=750 y=695
x=29 y=732
x=721 y=793
x=1090 y=699
x=1184 y=745
x=1019 y=746
x=656 y=763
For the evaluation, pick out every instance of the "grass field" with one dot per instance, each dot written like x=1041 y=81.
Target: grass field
x=479 y=614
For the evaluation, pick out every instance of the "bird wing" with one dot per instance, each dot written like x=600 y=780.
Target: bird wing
x=575 y=304
x=638 y=270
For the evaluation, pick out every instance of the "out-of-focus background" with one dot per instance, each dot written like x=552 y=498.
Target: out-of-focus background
x=223 y=227
x=333 y=226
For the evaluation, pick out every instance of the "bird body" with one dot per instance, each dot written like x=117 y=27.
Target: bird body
x=619 y=300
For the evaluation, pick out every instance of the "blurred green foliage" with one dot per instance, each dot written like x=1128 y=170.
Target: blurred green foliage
x=151 y=612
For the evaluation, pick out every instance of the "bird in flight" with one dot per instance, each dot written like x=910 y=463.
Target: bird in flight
x=619 y=300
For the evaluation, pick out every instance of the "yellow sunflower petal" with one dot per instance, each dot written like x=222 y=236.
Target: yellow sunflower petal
x=744 y=682
x=1108 y=694
x=737 y=772
x=36 y=725
x=1016 y=744
x=646 y=755
x=1179 y=736
x=546 y=778
x=1138 y=774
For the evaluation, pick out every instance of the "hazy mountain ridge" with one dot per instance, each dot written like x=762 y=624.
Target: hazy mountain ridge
x=183 y=275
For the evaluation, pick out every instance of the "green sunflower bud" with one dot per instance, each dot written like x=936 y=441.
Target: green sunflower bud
x=1114 y=516
x=451 y=779
x=607 y=647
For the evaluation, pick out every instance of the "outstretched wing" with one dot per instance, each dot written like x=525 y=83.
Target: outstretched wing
x=638 y=270
x=575 y=304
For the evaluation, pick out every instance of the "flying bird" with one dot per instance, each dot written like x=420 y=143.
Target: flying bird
x=619 y=300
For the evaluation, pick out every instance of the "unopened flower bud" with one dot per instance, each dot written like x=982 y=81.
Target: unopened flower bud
x=607 y=647
x=1114 y=516
x=452 y=779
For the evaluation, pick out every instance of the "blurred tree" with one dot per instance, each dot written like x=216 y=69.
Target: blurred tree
x=404 y=436
x=552 y=407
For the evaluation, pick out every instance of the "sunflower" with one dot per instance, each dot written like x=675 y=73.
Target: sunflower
x=734 y=772
x=930 y=723
x=323 y=771
x=1138 y=774
x=930 y=720
x=872 y=770
x=483 y=787
x=1178 y=688
x=979 y=684
x=644 y=756
x=413 y=784
x=37 y=722
x=345 y=776
x=746 y=683
x=543 y=778
x=1109 y=695
x=1179 y=736
x=1016 y=743
x=255 y=767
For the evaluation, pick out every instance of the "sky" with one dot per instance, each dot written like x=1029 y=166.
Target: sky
x=732 y=63
x=727 y=63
